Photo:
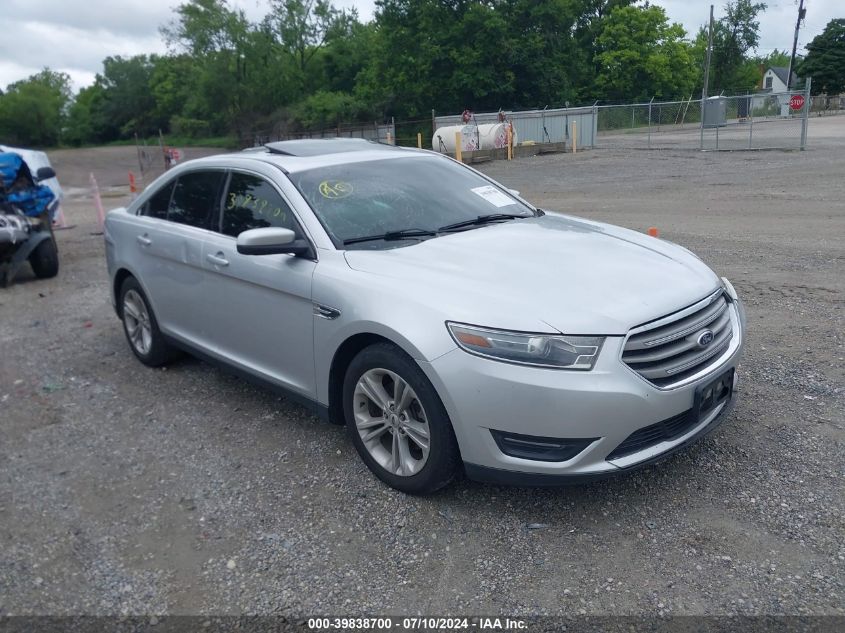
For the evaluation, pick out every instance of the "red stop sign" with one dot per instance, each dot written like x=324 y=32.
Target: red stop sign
x=796 y=102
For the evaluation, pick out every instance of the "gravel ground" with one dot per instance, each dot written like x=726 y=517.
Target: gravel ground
x=126 y=490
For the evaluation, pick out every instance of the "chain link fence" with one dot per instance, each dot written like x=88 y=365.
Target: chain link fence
x=380 y=132
x=824 y=105
x=758 y=121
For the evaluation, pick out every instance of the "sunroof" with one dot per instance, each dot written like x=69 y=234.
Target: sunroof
x=320 y=146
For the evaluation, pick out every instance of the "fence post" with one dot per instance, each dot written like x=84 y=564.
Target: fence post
x=717 y=135
x=649 y=122
x=806 y=118
x=419 y=140
x=751 y=127
x=701 y=118
x=595 y=125
x=574 y=137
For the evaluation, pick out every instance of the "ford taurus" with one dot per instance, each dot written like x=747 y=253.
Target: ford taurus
x=448 y=323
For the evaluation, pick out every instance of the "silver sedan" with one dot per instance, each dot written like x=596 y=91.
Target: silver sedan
x=449 y=324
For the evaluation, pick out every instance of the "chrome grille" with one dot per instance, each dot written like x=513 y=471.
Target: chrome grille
x=669 y=351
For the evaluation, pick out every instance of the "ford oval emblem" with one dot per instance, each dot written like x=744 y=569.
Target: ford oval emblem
x=705 y=338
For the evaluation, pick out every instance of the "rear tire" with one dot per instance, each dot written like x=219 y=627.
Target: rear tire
x=141 y=327
x=397 y=422
x=45 y=259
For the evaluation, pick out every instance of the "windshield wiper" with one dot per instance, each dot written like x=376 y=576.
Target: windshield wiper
x=391 y=236
x=482 y=219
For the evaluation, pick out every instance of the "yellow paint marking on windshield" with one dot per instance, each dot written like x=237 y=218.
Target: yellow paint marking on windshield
x=333 y=189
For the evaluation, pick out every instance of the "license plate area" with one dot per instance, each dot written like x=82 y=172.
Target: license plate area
x=712 y=394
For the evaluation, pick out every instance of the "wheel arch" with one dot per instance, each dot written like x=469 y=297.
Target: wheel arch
x=120 y=276
x=343 y=355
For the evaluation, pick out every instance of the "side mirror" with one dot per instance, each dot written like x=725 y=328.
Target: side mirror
x=514 y=192
x=271 y=241
x=45 y=173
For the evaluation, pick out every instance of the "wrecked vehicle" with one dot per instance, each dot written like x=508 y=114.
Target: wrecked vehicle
x=26 y=211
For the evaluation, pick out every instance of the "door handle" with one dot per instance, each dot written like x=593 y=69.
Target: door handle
x=143 y=240
x=217 y=260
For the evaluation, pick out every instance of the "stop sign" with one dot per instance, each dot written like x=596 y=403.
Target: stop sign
x=796 y=102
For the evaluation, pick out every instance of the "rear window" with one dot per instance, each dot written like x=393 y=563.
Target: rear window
x=156 y=206
x=196 y=197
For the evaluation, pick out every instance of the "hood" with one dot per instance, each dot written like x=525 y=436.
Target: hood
x=552 y=273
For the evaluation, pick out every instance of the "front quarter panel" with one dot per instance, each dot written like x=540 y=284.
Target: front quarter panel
x=369 y=305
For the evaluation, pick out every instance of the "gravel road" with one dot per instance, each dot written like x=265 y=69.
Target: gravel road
x=126 y=490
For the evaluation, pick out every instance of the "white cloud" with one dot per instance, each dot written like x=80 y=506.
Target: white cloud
x=777 y=23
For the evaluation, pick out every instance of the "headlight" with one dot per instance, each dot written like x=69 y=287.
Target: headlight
x=540 y=350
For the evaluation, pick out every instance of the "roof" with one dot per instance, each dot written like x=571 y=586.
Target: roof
x=323 y=146
x=781 y=73
x=312 y=153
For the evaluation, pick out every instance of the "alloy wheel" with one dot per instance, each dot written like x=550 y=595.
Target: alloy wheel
x=136 y=319
x=392 y=422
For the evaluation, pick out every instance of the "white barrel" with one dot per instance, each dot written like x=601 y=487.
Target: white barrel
x=444 y=138
x=494 y=135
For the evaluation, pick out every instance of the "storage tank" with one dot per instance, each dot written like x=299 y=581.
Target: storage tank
x=494 y=135
x=444 y=138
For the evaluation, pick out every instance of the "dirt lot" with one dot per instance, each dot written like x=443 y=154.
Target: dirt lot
x=130 y=490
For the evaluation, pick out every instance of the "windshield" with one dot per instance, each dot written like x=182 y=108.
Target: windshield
x=413 y=197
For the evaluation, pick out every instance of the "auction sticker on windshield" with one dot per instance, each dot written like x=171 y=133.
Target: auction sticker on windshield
x=493 y=196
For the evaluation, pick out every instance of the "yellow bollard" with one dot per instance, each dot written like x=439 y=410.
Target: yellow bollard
x=510 y=143
x=574 y=139
x=419 y=140
x=458 y=155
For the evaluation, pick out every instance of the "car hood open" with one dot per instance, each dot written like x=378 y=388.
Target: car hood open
x=551 y=273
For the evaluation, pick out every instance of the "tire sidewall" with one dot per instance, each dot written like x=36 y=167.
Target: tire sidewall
x=45 y=259
x=444 y=457
x=159 y=349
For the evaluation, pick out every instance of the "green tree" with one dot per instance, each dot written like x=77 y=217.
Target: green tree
x=825 y=61
x=127 y=106
x=734 y=35
x=304 y=27
x=33 y=110
x=220 y=41
x=81 y=125
x=775 y=58
x=641 y=55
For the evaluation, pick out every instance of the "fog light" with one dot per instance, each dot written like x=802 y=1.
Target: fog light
x=541 y=449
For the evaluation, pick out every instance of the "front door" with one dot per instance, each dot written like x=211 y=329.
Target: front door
x=258 y=309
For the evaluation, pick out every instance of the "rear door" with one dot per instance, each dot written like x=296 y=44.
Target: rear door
x=258 y=309
x=173 y=270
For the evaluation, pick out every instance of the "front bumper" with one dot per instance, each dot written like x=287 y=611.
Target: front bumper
x=607 y=404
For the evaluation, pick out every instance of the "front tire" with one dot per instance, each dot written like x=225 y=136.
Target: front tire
x=397 y=421
x=45 y=259
x=141 y=327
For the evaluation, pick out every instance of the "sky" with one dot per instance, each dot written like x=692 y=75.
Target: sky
x=74 y=36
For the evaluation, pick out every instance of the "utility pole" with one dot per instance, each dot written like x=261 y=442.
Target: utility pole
x=706 y=87
x=802 y=12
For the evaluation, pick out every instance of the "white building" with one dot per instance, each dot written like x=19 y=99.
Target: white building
x=772 y=98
